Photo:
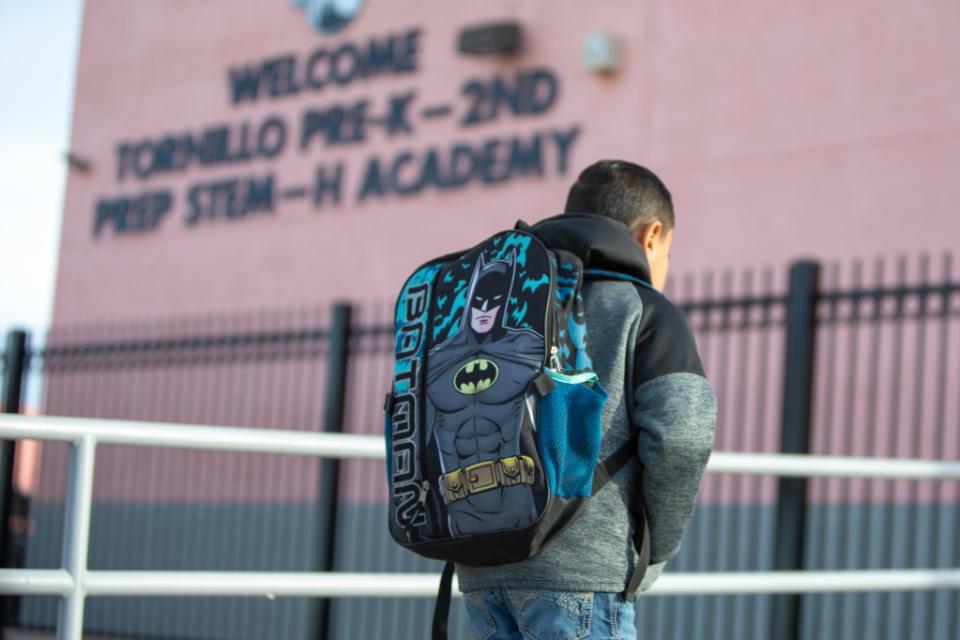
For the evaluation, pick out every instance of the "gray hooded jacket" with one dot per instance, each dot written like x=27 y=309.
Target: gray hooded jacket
x=645 y=356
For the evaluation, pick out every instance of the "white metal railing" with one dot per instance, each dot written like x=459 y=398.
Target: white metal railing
x=74 y=582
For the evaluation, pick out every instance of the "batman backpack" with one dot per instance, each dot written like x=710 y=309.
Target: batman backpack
x=492 y=424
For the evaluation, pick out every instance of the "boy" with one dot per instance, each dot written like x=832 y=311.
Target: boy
x=618 y=219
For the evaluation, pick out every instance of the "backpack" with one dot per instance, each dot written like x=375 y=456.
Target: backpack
x=493 y=421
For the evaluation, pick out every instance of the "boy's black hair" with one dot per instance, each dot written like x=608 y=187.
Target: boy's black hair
x=624 y=191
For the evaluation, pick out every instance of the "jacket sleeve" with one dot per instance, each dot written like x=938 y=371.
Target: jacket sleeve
x=675 y=411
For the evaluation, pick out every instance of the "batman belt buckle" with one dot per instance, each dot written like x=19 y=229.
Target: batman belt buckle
x=481 y=477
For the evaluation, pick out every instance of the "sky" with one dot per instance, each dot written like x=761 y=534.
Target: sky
x=39 y=40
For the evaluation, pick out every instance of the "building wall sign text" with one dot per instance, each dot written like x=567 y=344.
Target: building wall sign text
x=320 y=130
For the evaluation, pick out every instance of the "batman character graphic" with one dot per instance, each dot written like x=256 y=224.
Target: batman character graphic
x=478 y=403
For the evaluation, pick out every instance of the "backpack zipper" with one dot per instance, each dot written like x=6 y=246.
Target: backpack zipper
x=551 y=359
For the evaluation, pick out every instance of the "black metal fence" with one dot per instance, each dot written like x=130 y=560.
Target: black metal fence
x=830 y=360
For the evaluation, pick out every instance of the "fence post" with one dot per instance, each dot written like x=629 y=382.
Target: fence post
x=795 y=438
x=14 y=373
x=338 y=357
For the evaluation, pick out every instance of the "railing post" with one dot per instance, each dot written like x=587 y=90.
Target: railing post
x=338 y=356
x=14 y=374
x=795 y=438
x=14 y=370
x=76 y=536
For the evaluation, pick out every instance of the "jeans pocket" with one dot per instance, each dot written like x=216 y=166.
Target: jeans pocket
x=482 y=626
x=553 y=615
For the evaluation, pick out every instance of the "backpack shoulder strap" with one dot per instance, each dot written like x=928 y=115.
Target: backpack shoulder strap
x=441 y=611
x=609 y=467
x=605 y=470
x=641 y=542
x=604 y=274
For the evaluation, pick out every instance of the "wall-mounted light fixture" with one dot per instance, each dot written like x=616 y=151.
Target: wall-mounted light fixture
x=503 y=38
x=76 y=162
x=601 y=52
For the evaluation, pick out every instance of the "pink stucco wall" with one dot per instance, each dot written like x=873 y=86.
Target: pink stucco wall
x=816 y=129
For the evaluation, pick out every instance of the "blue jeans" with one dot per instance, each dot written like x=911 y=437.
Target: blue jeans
x=514 y=614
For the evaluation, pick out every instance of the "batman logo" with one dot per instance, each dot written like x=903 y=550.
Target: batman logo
x=476 y=376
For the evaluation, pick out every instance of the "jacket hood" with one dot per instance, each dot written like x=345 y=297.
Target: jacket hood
x=599 y=242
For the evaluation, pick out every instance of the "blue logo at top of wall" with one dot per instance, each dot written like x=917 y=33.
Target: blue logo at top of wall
x=329 y=16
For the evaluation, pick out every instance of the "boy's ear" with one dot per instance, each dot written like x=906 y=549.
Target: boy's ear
x=649 y=233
